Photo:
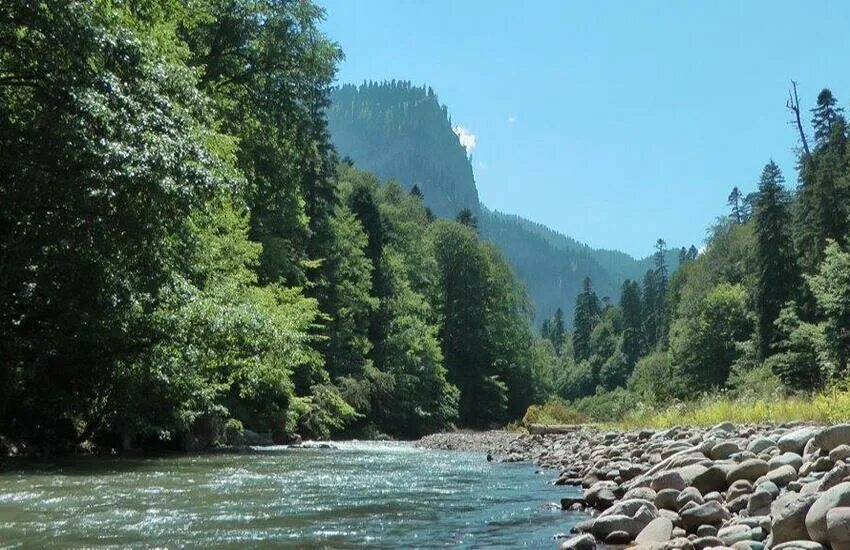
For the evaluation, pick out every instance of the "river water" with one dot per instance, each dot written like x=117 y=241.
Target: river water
x=361 y=494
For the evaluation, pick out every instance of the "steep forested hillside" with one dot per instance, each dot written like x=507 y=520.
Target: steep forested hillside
x=400 y=131
x=185 y=261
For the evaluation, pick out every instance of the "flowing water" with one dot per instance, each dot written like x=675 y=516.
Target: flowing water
x=361 y=494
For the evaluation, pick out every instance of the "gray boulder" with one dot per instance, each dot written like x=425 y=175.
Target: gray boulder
x=658 y=530
x=795 y=441
x=781 y=476
x=786 y=459
x=833 y=436
x=667 y=480
x=842 y=452
x=750 y=469
x=710 y=513
x=838 y=528
x=723 y=450
x=581 y=542
x=712 y=479
x=836 y=497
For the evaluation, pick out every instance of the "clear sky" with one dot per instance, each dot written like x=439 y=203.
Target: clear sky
x=613 y=122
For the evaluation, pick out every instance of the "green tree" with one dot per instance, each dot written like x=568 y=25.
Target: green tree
x=831 y=288
x=702 y=344
x=586 y=316
x=777 y=273
x=630 y=304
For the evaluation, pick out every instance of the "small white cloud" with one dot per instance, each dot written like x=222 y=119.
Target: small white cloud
x=482 y=165
x=512 y=120
x=467 y=139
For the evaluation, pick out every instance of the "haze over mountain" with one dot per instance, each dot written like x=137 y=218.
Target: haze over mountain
x=400 y=131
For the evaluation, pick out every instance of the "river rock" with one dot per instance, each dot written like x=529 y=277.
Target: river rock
x=781 y=476
x=618 y=538
x=750 y=470
x=581 y=542
x=838 y=528
x=842 y=452
x=734 y=533
x=835 y=497
x=604 y=526
x=798 y=545
x=759 y=503
x=712 y=479
x=760 y=444
x=701 y=543
x=833 y=436
x=666 y=498
x=723 y=450
x=659 y=530
x=667 y=480
x=644 y=493
x=690 y=494
x=796 y=440
x=786 y=459
x=738 y=488
x=710 y=513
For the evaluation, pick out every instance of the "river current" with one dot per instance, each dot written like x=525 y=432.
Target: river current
x=360 y=494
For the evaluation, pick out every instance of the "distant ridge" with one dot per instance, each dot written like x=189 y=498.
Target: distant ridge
x=400 y=131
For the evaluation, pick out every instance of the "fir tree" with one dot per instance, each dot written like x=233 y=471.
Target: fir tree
x=777 y=267
x=586 y=316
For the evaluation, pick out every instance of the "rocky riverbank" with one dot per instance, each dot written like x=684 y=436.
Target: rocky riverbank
x=495 y=441
x=745 y=487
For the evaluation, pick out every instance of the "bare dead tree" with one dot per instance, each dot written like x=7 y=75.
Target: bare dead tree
x=793 y=105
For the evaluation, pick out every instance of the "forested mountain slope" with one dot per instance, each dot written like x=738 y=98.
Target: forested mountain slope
x=400 y=131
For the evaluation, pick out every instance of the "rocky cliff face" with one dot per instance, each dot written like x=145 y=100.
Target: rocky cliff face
x=399 y=131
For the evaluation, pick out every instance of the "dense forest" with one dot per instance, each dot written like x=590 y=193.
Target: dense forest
x=763 y=310
x=185 y=262
x=400 y=131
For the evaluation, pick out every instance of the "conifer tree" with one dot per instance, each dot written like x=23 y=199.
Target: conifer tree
x=586 y=316
x=825 y=115
x=734 y=201
x=631 y=309
x=777 y=268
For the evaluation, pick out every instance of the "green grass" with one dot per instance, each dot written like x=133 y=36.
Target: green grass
x=831 y=406
x=827 y=407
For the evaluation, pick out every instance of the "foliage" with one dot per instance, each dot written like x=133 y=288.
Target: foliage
x=555 y=411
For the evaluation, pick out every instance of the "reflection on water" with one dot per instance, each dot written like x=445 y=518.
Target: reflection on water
x=380 y=495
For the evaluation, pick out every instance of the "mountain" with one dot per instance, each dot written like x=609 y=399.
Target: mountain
x=400 y=131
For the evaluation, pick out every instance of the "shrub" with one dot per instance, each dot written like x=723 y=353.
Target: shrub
x=555 y=411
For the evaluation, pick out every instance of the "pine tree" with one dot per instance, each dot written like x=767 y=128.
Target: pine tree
x=586 y=316
x=650 y=317
x=734 y=200
x=662 y=279
x=467 y=218
x=632 y=319
x=558 y=331
x=825 y=115
x=777 y=268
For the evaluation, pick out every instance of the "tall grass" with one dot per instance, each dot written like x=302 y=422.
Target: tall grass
x=830 y=406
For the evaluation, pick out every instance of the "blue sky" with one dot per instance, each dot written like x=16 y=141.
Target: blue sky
x=613 y=122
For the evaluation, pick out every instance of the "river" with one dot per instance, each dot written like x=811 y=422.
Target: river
x=360 y=494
